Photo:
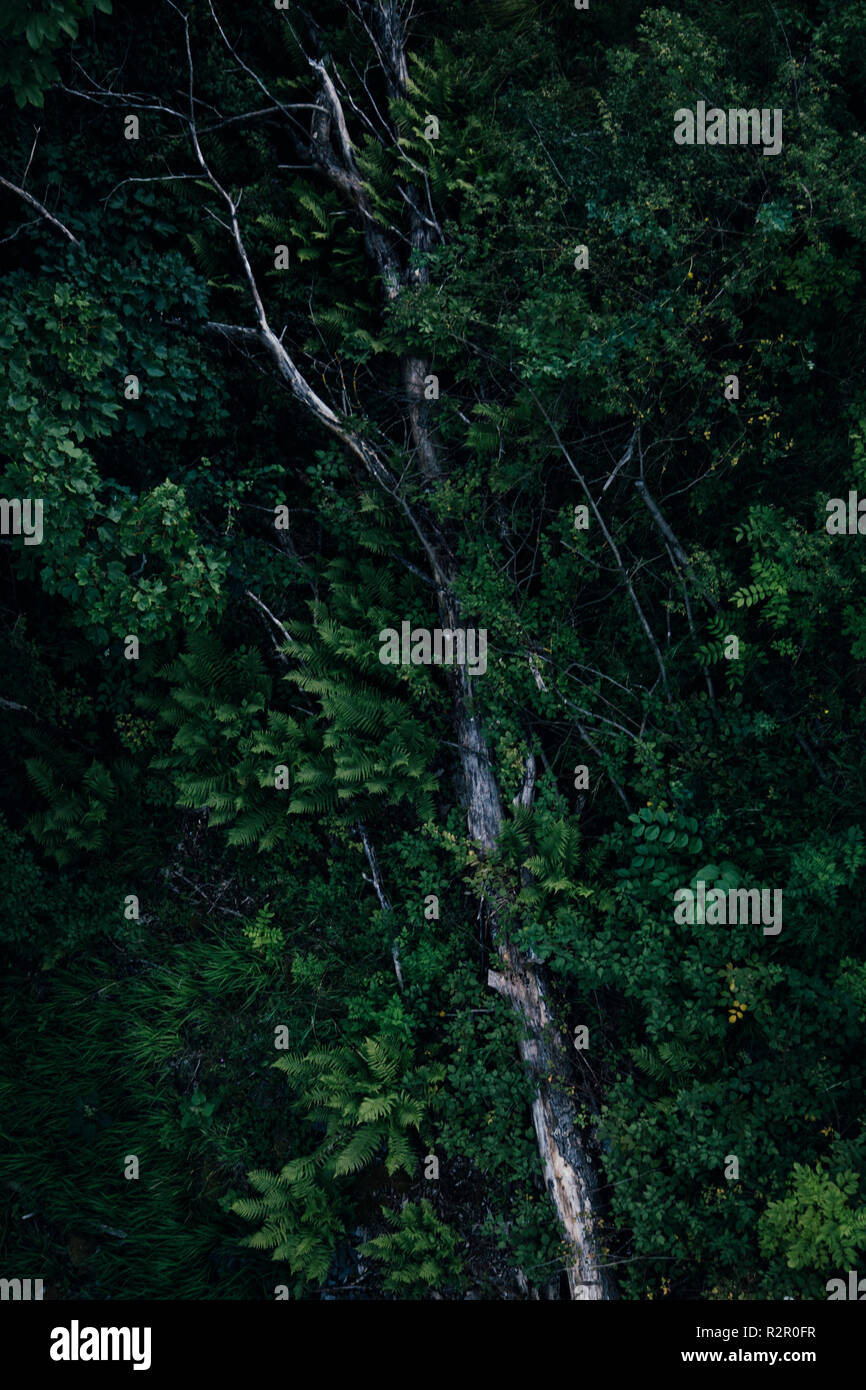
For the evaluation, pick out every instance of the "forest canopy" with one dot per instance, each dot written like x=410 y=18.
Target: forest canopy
x=342 y=958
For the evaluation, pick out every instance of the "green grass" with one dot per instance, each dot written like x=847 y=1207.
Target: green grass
x=105 y=1060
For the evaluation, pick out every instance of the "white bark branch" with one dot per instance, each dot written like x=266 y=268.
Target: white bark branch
x=289 y=639
x=41 y=209
x=376 y=881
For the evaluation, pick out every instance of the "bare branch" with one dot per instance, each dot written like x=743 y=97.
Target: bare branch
x=155 y=178
x=277 y=104
x=40 y=208
x=527 y=791
x=284 y=630
x=611 y=543
x=108 y=98
x=626 y=458
x=539 y=681
x=380 y=894
x=32 y=153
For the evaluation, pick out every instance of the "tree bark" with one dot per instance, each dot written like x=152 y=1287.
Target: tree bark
x=568 y=1170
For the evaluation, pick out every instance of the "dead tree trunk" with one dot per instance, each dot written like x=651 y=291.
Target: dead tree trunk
x=568 y=1170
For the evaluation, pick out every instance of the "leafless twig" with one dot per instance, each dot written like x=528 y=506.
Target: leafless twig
x=40 y=208
x=380 y=894
x=275 y=620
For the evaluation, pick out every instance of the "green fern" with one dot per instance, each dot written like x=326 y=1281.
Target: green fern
x=420 y=1254
x=357 y=1095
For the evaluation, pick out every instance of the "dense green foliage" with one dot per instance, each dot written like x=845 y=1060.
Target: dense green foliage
x=153 y=1034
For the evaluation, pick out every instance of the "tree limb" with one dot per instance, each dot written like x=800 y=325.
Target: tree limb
x=285 y=632
x=383 y=901
x=41 y=209
x=648 y=632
